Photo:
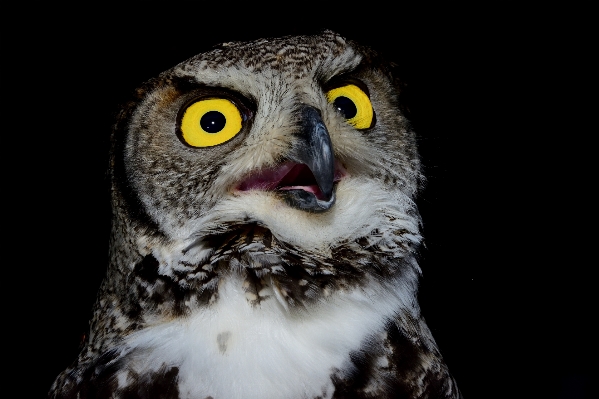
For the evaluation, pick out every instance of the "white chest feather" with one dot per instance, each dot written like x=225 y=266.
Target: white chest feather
x=234 y=350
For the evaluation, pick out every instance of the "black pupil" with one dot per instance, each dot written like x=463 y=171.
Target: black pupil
x=345 y=106
x=213 y=122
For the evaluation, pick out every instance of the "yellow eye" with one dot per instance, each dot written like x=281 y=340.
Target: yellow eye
x=210 y=122
x=353 y=104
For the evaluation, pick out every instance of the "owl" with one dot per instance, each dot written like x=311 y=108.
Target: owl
x=265 y=236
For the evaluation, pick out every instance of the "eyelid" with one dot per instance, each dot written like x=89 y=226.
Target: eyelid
x=245 y=106
x=344 y=80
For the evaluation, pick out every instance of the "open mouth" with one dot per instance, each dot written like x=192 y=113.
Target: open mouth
x=288 y=176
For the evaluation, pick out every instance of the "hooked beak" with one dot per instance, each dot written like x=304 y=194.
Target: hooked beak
x=307 y=180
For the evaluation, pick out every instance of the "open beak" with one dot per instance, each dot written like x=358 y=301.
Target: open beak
x=306 y=180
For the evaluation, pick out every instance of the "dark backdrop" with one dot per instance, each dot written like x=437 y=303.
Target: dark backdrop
x=473 y=80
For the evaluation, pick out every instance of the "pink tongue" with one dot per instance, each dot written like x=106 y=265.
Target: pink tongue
x=266 y=179
x=314 y=189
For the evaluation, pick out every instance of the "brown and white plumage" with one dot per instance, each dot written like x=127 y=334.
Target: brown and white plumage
x=278 y=263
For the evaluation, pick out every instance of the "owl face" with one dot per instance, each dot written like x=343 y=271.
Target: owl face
x=296 y=134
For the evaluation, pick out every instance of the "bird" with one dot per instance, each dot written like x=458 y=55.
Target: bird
x=265 y=237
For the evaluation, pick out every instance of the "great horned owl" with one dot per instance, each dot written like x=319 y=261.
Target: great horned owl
x=265 y=237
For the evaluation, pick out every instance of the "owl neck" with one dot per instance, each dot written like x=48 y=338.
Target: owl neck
x=145 y=286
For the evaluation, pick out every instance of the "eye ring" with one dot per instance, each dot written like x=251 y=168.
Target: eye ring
x=353 y=103
x=209 y=122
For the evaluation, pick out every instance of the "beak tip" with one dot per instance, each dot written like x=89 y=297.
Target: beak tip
x=326 y=192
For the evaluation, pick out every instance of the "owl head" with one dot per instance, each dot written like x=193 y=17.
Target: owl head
x=303 y=135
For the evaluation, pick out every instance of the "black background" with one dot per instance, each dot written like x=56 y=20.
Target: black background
x=503 y=286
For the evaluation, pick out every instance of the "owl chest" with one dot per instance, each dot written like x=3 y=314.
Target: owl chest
x=235 y=350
